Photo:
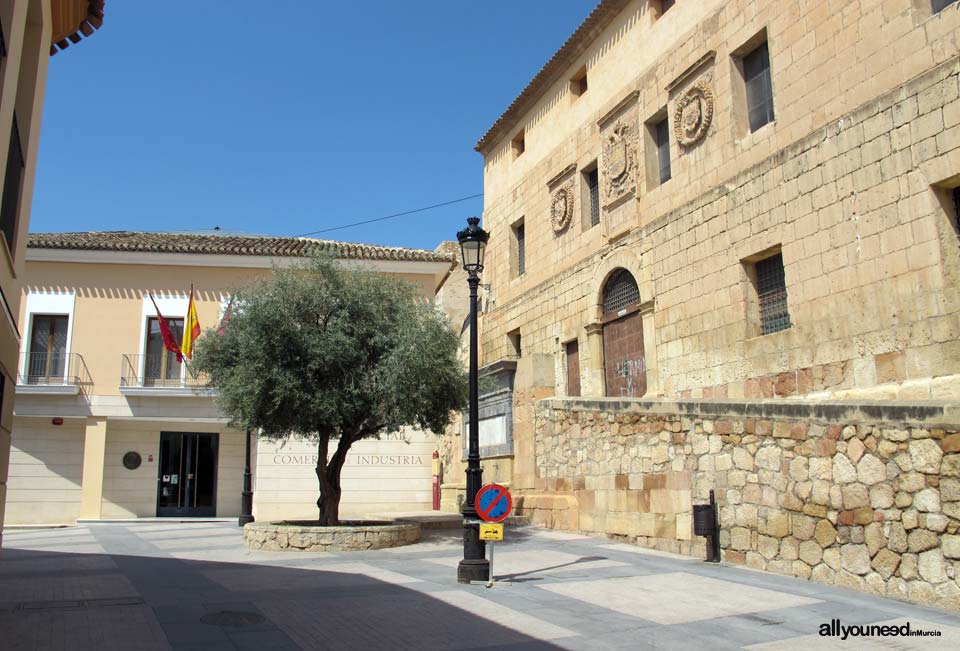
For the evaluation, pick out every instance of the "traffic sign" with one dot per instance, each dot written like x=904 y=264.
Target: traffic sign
x=490 y=531
x=493 y=503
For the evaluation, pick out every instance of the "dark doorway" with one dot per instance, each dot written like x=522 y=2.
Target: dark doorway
x=187 y=479
x=625 y=369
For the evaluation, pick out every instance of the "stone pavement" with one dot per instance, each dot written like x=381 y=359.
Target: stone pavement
x=193 y=586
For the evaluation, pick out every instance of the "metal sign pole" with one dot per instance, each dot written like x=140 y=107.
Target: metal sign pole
x=490 y=582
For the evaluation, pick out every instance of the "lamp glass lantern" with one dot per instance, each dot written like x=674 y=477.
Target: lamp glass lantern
x=473 y=244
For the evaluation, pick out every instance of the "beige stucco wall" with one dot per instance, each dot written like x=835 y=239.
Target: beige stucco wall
x=46 y=469
x=848 y=180
x=23 y=78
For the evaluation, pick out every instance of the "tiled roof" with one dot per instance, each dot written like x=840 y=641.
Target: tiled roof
x=72 y=20
x=602 y=15
x=293 y=247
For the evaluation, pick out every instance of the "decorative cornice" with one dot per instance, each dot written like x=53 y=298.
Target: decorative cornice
x=692 y=68
x=562 y=173
x=576 y=45
x=622 y=104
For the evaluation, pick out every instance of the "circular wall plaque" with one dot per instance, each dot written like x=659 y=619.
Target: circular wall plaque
x=131 y=460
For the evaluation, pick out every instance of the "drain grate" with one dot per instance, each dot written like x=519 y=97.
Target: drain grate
x=79 y=604
x=232 y=618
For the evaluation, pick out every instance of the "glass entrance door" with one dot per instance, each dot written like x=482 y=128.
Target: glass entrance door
x=187 y=479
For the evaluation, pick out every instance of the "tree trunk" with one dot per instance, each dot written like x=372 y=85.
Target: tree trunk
x=328 y=475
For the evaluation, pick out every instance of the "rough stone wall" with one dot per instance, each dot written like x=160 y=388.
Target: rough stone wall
x=862 y=495
x=850 y=181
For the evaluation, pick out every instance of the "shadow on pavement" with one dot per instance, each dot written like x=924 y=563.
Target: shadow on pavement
x=103 y=601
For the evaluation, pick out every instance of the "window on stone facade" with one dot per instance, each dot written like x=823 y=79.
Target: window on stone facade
x=519 y=262
x=940 y=5
x=13 y=177
x=771 y=290
x=519 y=144
x=514 y=343
x=759 y=88
x=578 y=83
x=590 y=205
x=572 y=355
x=662 y=138
x=665 y=6
x=956 y=208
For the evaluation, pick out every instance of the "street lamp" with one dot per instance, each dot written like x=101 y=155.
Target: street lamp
x=474 y=566
x=246 y=496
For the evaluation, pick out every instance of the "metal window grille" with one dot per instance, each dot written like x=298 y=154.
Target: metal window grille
x=620 y=291
x=10 y=201
x=940 y=5
x=593 y=185
x=521 y=250
x=772 y=295
x=756 y=73
x=663 y=150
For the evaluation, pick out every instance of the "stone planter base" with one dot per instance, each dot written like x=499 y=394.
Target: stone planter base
x=349 y=536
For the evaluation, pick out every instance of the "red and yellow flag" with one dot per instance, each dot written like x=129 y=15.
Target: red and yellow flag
x=191 y=328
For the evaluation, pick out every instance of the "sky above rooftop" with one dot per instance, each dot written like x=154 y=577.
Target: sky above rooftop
x=286 y=118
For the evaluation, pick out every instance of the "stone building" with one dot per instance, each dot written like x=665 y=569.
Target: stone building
x=31 y=31
x=108 y=424
x=721 y=231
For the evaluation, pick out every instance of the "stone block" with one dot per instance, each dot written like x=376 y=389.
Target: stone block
x=825 y=533
x=855 y=496
x=854 y=559
x=927 y=500
x=843 y=471
x=885 y=563
x=926 y=456
x=881 y=496
x=920 y=540
x=871 y=470
x=769 y=457
x=931 y=566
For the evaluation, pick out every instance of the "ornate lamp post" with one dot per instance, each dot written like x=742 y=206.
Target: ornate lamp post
x=246 y=496
x=474 y=566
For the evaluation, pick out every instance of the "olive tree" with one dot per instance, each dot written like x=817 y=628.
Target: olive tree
x=333 y=356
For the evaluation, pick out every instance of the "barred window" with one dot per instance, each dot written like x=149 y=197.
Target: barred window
x=940 y=5
x=620 y=291
x=662 y=135
x=756 y=74
x=520 y=248
x=593 y=187
x=772 y=295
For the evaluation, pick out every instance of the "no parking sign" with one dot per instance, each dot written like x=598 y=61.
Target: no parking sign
x=493 y=503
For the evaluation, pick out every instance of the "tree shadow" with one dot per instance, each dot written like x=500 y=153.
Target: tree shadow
x=515 y=577
x=111 y=601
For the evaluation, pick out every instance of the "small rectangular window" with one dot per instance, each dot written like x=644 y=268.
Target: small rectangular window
x=662 y=135
x=12 y=180
x=772 y=295
x=592 y=178
x=515 y=343
x=940 y=5
x=519 y=144
x=578 y=83
x=759 y=89
x=572 y=353
x=519 y=263
x=956 y=207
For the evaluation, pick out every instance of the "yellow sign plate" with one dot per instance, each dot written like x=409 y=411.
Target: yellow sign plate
x=491 y=531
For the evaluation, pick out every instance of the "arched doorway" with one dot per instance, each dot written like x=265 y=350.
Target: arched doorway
x=625 y=368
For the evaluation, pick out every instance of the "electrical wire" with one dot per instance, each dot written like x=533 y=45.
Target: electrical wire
x=399 y=214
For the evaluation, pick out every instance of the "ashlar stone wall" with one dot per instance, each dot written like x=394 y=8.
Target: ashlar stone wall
x=864 y=495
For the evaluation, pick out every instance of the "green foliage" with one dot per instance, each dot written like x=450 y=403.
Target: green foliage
x=324 y=353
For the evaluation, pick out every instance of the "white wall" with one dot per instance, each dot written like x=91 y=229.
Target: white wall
x=46 y=467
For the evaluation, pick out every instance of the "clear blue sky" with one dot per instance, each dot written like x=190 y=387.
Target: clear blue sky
x=285 y=117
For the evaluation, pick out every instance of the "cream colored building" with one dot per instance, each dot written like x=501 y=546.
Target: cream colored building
x=710 y=220
x=30 y=31
x=108 y=425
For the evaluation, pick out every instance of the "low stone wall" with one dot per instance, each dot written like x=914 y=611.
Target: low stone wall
x=280 y=537
x=863 y=495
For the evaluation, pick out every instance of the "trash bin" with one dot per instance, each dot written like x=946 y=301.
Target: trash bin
x=704 y=521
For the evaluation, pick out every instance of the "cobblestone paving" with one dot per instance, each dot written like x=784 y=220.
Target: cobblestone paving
x=194 y=586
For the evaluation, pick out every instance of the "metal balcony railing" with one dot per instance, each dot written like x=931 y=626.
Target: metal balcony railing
x=158 y=372
x=54 y=369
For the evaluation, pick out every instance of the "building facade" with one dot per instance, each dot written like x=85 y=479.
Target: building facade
x=109 y=425
x=30 y=32
x=707 y=221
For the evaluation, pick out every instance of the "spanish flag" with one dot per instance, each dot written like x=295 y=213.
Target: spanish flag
x=191 y=328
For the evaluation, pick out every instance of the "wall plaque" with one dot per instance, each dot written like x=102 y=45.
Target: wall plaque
x=132 y=460
x=693 y=113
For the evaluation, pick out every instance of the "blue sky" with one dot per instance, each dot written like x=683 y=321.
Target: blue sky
x=285 y=117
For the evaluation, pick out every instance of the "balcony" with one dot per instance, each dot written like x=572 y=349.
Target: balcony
x=53 y=373
x=160 y=375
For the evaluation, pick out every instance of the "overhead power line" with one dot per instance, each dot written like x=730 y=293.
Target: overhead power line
x=399 y=214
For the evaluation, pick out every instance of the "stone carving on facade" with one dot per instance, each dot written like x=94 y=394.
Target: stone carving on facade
x=619 y=161
x=561 y=207
x=693 y=113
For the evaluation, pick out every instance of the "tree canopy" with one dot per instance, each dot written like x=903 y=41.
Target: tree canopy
x=332 y=354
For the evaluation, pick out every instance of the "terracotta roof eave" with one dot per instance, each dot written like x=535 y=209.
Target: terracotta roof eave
x=202 y=244
x=598 y=20
x=73 y=32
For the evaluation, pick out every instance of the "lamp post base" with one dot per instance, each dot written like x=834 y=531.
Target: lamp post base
x=244 y=519
x=469 y=571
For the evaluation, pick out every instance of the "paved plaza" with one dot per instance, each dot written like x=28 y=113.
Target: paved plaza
x=170 y=585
